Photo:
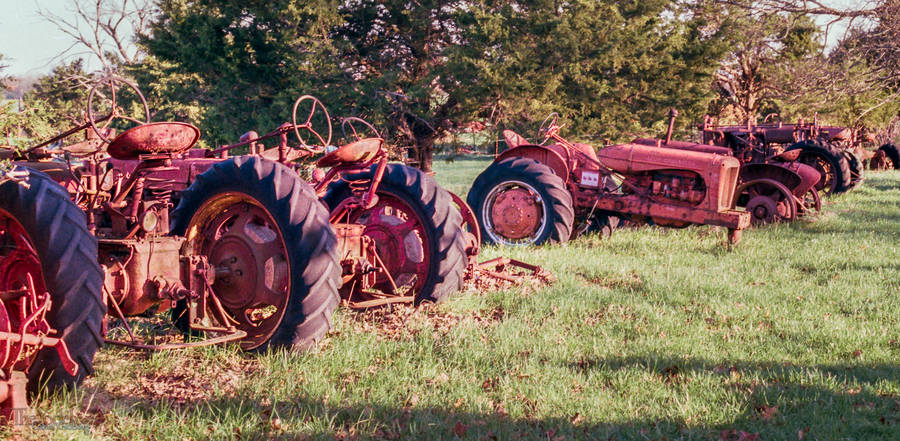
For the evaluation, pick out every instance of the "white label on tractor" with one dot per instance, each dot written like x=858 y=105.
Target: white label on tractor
x=590 y=179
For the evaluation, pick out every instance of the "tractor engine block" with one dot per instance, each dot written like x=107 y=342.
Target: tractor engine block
x=677 y=186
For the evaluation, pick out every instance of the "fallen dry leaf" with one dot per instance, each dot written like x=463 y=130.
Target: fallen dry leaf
x=577 y=419
x=766 y=413
x=738 y=435
x=460 y=429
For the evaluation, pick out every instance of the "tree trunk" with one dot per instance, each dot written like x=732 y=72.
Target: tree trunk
x=425 y=152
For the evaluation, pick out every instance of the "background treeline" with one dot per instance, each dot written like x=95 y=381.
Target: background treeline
x=427 y=71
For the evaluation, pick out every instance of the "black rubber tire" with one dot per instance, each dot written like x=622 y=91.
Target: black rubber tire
x=72 y=276
x=552 y=189
x=840 y=166
x=303 y=221
x=602 y=224
x=441 y=219
x=892 y=152
x=855 y=166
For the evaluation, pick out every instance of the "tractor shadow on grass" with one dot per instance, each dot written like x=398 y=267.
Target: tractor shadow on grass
x=778 y=400
x=250 y=416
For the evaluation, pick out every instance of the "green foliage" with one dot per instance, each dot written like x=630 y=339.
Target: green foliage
x=172 y=94
x=771 y=62
x=63 y=93
x=418 y=73
x=21 y=127
x=18 y=127
x=612 y=68
x=233 y=66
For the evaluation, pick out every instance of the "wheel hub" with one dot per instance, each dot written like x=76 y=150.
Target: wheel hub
x=399 y=238
x=516 y=213
x=236 y=272
x=763 y=209
x=246 y=249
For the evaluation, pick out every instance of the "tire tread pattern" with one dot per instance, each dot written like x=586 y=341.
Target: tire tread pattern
x=834 y=155
x=560 y=212
x=310 y=240
x=72 y=275
x=892 y=152
x=442 y=218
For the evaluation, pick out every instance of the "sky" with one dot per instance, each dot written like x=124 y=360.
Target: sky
x=30 y=44
x=27 y=41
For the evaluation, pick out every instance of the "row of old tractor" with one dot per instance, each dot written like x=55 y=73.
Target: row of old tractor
x=260 y=248
x=552 y=190
x=236 y=249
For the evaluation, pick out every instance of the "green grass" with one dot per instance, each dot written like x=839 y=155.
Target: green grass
x=651 y=334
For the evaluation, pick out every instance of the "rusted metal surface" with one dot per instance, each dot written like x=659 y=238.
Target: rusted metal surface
x=154 y=138
x=516 y=213
x=672 y=187
x=24 y=304
x=229 y=272
x=361 y=151
x=503 y=273
x=772 y=185
x=854 y=143
x=232 y=275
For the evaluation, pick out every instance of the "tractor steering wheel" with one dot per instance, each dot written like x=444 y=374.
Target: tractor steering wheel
x=550 y=122
x=350 y=123
x=115 y=112
x=314 y=106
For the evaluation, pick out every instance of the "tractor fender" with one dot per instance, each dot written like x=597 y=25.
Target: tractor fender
x=547 y=155
x=788 y=178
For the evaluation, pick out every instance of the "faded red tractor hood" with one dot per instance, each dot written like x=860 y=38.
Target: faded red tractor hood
x=719 y=172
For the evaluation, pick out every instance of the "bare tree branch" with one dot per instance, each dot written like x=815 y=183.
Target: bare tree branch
x=104 y=29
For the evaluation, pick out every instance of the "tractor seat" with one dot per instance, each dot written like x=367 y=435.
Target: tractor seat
x=86 y=147
x=358 y=151
x=514 y=139
x=152 y=138
x=788 y=156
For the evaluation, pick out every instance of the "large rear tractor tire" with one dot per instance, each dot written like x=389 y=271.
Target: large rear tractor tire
x=892 y=154
x=855 y=166
x=829 y=161
x=267 y=236
x=44 y=235
x=417 y=231
x=519 y=201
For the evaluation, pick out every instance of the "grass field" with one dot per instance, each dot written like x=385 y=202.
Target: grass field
x=651 y=334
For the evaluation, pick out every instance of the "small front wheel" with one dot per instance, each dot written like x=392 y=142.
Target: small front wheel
x=519 y=201
x=767 y=201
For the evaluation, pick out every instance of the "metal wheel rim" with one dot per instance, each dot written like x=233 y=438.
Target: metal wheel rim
x=786 y=197
x=18 y=259
x=487 y=209
x=219 y=230
x=401 y=240
x=823 y=166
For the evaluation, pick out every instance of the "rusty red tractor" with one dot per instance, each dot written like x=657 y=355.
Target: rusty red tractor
x=250 y=253
x=550 y=192
x=773 y=186
x=50 y=303
x=837 y=153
